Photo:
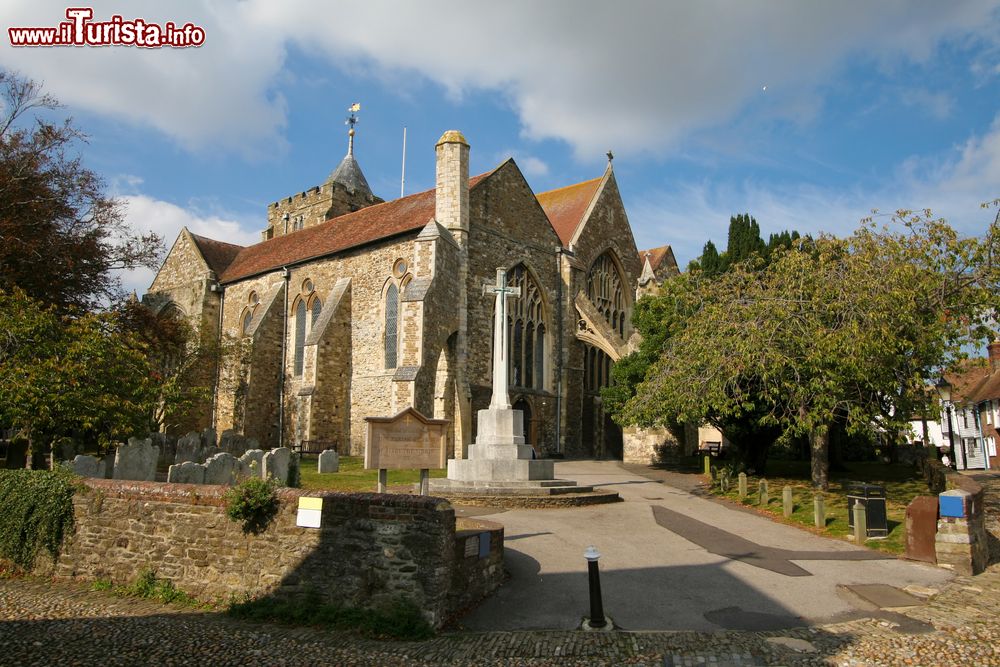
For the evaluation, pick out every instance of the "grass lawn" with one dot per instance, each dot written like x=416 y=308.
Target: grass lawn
x=353 y=477
x=901 y=483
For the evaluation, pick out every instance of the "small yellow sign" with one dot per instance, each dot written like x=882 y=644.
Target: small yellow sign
x=307 y=503
x=310 y=512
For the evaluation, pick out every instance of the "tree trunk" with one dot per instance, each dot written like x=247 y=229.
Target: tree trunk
x=819 y=441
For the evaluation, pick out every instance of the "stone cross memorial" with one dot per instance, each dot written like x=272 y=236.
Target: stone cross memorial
x=500 y=461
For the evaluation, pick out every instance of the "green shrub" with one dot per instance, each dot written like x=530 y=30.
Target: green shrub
x=254 y=503
x=37 y=512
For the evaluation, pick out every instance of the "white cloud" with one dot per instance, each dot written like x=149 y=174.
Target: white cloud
x=529 y=164
x=145 y=213
x=953 y=187
x=637 y=77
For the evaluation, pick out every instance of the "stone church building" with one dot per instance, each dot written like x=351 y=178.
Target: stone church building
x=352 y=307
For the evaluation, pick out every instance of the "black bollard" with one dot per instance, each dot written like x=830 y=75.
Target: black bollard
x=596 y=604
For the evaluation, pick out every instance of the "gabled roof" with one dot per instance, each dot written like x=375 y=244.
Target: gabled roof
x=218 y=254
x=967 y=382
x=987 y=389
x=565 y=207
x=657 y=255
x=369 y=224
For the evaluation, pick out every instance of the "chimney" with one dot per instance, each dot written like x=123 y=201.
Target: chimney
x=452 y=189
x=994 y=353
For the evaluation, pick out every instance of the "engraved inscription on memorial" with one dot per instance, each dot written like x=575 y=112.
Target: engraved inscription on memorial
x=408 y=440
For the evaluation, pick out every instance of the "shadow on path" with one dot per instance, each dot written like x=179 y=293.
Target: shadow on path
x=721 y=543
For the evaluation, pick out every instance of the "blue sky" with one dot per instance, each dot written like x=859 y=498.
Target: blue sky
x=805 y=114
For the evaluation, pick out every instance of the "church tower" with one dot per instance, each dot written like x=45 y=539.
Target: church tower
x=345 y=191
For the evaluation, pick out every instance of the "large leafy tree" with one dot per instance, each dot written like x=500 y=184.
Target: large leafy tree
x=63 y=376
x=835 y=330
x=62 y=239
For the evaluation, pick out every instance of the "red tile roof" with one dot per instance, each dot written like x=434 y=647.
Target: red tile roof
x=218 y=254
x=565 y=206
x=967 y=383
x=656 y=256
x=341 y=233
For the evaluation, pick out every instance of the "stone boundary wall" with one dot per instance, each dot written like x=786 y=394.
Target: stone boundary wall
x=961 y=542
x=370 y=548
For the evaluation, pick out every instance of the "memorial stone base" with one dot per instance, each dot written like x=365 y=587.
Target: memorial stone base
x=501 y=463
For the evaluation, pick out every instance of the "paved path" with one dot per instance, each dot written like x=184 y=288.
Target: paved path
x=673 y=561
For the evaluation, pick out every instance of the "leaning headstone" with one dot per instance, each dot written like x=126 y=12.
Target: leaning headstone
x=253 y=459
x=819 y=511
x=329 y=461
x=742 y=481
x=275 y=463
x=136 y=460
x=762 y=493
x=85 y=466
x=188 y=472
x=221 y=469
x=189 y=448
x=787 y=501
x=209 y=452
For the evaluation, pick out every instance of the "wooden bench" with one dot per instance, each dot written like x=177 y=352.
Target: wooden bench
x=711 y=448
x=316 y=446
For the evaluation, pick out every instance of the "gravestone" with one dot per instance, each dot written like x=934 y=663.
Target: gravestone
x=136 y=460
x=275 y=465
x=762 y=496
x=235 y=443
x=222 y=469
x=208 y=439
x=742 y=479
x=85 y=466
x=329 y=461
x=167 y=446
x=188 y=448
x=253 y=459
x=187 y=472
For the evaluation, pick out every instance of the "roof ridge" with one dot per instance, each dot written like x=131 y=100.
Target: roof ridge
x=209 y=238
x=571 y=185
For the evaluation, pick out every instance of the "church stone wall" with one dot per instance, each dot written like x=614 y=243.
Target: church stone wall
x=357 y=355
x=507 y=227
x=185 y=280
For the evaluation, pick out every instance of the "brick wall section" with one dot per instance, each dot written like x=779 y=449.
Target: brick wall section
x=370 y=549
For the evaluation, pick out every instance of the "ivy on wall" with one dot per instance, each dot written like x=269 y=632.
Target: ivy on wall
x=37 y=513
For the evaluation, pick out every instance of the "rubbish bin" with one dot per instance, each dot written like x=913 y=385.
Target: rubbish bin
x=872 y=498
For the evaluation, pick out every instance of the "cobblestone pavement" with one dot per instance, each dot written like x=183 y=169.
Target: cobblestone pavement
x=64 y=623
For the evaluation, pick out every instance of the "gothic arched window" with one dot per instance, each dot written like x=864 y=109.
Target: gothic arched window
x=300 y=335
x=526 y=323
x=314 y=311
x=391 y=325
x=604 y=287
